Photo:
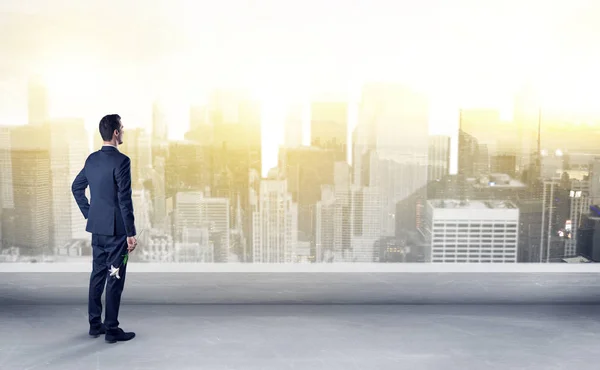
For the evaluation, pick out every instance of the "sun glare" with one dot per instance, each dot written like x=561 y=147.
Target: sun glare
x=74 y=82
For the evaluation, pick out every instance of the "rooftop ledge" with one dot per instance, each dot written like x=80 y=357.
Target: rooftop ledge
x=419 y=283
x=134 y=267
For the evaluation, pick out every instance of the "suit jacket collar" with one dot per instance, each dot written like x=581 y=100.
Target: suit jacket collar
x=109 y=148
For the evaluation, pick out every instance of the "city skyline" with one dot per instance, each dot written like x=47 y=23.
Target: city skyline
x=272 y=134
x=274 y=137
x=314 y=206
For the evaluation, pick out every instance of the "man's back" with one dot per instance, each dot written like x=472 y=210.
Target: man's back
x=109 y=214
x=107 y=172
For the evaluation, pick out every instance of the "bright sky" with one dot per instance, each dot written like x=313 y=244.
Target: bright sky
x=118 y=56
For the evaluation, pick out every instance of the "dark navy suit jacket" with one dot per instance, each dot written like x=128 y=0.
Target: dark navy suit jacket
x=110 y=209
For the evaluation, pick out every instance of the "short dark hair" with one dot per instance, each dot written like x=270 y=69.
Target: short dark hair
x=108 y=125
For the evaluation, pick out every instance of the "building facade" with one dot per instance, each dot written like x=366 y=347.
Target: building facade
x=275 y=224
x=472 y=232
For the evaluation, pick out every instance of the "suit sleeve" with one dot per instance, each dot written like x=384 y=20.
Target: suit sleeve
x=78 y=189
x=123 y=178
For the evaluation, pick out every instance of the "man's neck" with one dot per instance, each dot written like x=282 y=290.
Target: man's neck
x=111 y=143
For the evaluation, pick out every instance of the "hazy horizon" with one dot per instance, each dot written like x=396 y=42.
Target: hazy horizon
x=115 y=56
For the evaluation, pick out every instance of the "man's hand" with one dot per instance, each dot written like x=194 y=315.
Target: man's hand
x=131 y=243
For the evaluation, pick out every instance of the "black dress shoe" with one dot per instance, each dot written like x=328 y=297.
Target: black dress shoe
x=97 y=331
x=118 y=335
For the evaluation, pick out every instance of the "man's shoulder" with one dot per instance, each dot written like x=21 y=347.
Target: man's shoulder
x=122 y=160
x=116 y=155
x=123 y=156
x=120 y=154
x=91 y=157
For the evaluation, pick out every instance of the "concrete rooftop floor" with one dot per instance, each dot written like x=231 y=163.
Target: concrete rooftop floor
x=306 y=337
x=522 y=318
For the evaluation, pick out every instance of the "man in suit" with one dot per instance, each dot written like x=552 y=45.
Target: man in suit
x=110 y=219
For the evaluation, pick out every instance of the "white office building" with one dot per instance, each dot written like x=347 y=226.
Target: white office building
x=193 y=210
x=472 y=231
x=275 y=224
x=366 y=223
x=328 y=243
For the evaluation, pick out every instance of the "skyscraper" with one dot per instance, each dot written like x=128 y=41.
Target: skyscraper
x=504 y=163
x=366 y=222
x=472 y=232
x=595 y=181
x=438 y=158
x=347 y=224
x=325 y=230
x=307 y=169
x=187 y=212
x=215 y=214
x=193 y=210
x=237 y=145
x=31 y=219
x=141 y=208
x=555 y=212
x=68 y=151
x=347 y=220
x=137 y=145
x=334 y=218
x=275 y=224
x=588 y=240
x=189 y=167
x=158 y=195
x=6 y=182
x=530 y=229
x=580 y=205
x=394 y=120
x=468 y=154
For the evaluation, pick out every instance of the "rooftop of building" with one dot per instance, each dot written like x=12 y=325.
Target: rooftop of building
x=577 y=259
x=471 y=204
x=499 y=180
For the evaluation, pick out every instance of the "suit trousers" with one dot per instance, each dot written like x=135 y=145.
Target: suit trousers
x=107 y=251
